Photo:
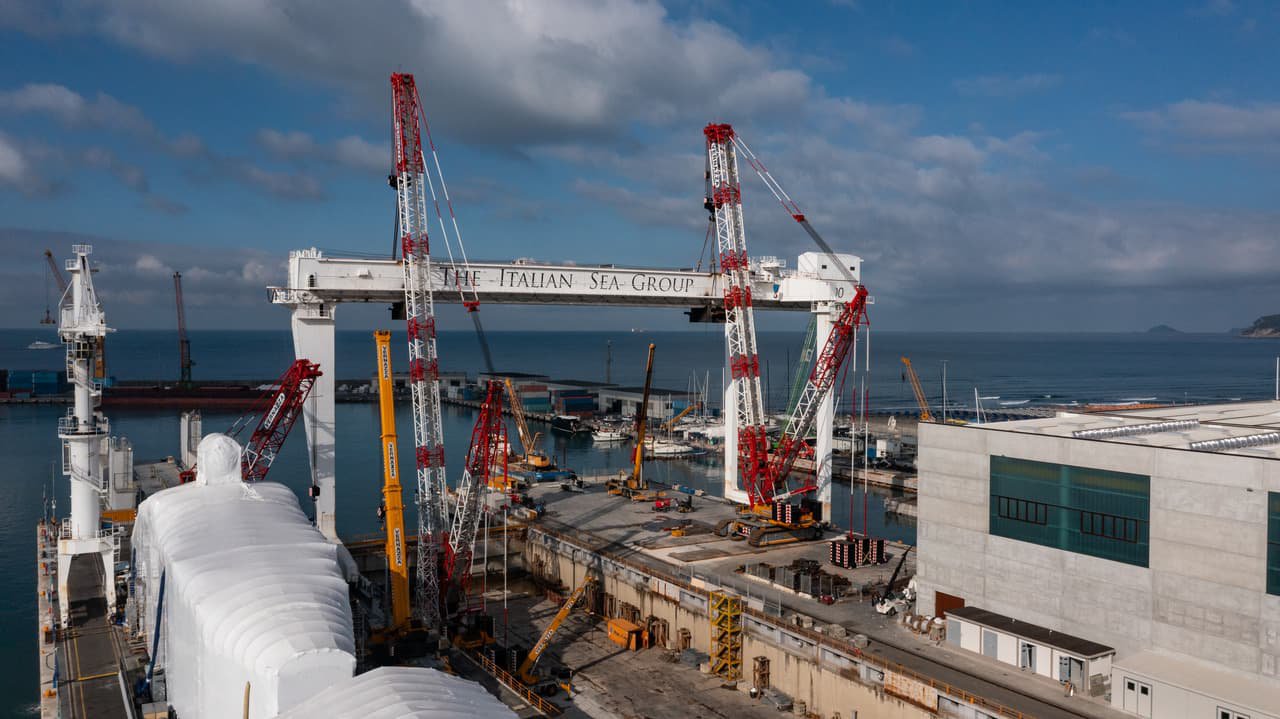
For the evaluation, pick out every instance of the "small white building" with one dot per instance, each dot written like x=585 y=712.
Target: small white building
x=1154 y=531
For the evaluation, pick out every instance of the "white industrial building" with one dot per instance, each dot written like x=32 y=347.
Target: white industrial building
x=1133 y=554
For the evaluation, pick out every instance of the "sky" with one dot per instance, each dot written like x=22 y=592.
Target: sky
x=999 y=166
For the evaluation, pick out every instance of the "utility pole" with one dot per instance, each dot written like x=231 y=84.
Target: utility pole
x=944 y=391
x=608 y=361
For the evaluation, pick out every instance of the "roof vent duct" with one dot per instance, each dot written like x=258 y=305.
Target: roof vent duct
x=1129 y=430
x=1248 y=440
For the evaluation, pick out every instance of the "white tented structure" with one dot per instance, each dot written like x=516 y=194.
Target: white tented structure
x=402 y=693
x=252 y=593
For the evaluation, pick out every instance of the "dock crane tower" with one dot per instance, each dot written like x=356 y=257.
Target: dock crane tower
x=424 y=369
x=392 y=494
x=184 y=344
x=487 y=451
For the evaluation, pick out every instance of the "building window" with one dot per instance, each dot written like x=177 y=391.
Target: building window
x=1077 y=509
x=1273 y=543
x=1230 y=714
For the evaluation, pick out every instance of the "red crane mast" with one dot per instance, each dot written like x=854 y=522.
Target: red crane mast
x=276 y=415
x=486 y=453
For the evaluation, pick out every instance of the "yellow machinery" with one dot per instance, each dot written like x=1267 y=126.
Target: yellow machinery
x=392 y=499
x=526 y=667
x=925 y=414
x=683 y=413
x=534 y=457
x=635 y=486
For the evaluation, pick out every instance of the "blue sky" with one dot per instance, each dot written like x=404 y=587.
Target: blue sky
x=1073 y=166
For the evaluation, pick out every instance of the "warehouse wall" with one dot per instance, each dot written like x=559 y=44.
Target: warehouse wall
x=1203 y=594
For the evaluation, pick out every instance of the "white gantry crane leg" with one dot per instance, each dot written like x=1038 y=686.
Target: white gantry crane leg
x=313 y=338
x=824 y=424
x=424 y=369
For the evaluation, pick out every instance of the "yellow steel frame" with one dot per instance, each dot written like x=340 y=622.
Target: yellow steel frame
x=726 y=635
x=925 y=414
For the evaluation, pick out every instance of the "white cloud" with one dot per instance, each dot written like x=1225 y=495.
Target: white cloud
x=1214 y=126
x=1006 y=85
x=286 y=144
x=13 y=166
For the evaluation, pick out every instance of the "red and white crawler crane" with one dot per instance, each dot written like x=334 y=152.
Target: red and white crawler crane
x=764 y=474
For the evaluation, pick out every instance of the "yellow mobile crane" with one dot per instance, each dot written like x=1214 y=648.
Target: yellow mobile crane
x=392 y=499
x=925 y=414
x=525 y=672
x=683 y=413
x=634 y=485
x=534 y=457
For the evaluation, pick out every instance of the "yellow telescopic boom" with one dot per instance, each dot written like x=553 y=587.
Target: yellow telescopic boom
x=925 y=414
x=392 y=499
x=526 y=667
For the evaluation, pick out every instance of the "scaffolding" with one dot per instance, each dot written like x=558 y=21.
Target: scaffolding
x=726 y=636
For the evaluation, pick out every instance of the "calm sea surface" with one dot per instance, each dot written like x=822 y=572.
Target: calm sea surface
x=1018 y=369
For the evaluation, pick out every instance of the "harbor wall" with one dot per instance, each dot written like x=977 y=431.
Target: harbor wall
x=831 y=682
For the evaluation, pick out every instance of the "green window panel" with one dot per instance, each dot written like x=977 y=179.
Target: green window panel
x=1273 y=543
x=1089 y=511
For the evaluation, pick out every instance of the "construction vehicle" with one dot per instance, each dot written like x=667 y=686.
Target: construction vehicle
x=769 y=518
x=525 y=672
x=890 y=602
x=910 y=372
x=634 y=486
x=184 y=344
x=392 y=509
x=666 y=426
x=534 y=458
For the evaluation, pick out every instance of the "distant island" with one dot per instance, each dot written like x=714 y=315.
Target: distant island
x=1164 y=330
x=1268 y=326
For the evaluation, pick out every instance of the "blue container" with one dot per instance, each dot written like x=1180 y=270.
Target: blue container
x=19 y=380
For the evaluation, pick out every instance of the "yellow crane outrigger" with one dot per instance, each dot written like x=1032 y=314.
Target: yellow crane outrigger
x=534 y=457
x=392 y=496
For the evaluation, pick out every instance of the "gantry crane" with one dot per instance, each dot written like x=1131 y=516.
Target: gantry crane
x=925 y=414
x=634 y=485
x=424 y=370
x=392 y=494
x=276 y=415
x=184 y=344
x=525 y=672
x=764 y=474
x=535 y=458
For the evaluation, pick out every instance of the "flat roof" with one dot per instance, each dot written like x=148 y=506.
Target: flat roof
x=1196 y=423
x=654 y=392
x=1036 y=633
x=580 y=383
x=1233 y=690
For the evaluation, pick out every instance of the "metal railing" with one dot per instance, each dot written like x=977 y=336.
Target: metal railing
x=511 y=682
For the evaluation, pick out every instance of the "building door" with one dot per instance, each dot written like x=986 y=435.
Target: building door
x=1137 y=697
x=1071 y=670
x=943 y=603
x=1028 y=661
